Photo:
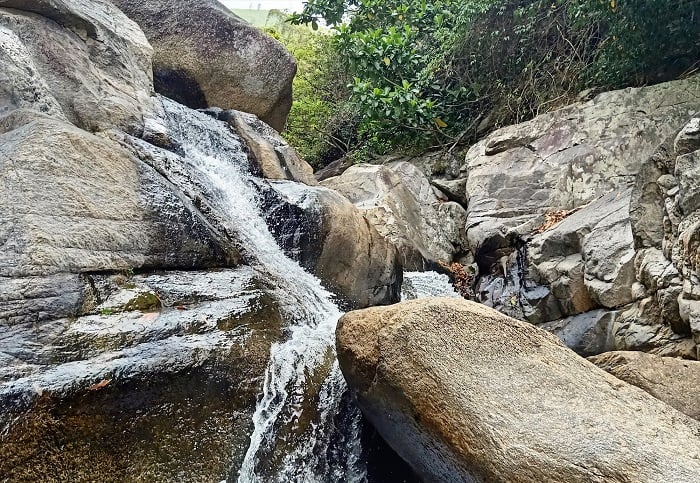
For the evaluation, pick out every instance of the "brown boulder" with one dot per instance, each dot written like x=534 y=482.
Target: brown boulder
x=466 y=394
x=674 y=381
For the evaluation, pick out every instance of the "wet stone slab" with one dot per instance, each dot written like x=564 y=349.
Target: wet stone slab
x=158 y=380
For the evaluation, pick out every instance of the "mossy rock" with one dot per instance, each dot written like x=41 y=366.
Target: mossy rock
x=145 y=302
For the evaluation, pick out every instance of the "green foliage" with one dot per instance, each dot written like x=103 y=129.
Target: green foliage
x=642 y=41
x=423 y=73
x=319 y=126
x=521 y=58
x=389 y=48
x=259 y=18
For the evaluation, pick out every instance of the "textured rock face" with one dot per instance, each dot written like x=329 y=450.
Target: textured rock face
x=665 y=210
x=402 y=205
x=206 y=56
x=673 y=381
x=584 y=262
x=430 y=375
x=593 y=171
x=79 y=61
x=567 y=158
x=73 y=203
x=332 y=238
x=157 y=367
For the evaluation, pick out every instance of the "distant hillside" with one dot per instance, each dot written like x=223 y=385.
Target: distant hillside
x=256 y=17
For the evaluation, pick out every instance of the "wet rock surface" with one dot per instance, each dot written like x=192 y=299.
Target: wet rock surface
x=115 y=364
x=159 y=377
x=275 y=158
x=75 y=202
x=429 y=374
x=333 y=239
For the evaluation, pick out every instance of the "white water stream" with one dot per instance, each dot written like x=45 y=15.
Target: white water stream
x=293 y=421
x=296 y=436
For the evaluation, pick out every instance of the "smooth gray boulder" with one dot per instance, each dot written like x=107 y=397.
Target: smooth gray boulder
x=672 y=380
x=587 y=334
x=401 y=204
x=466 y=394
x=206 y=56
x=74 y=60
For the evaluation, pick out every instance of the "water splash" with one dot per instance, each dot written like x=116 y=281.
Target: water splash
x=418 y=285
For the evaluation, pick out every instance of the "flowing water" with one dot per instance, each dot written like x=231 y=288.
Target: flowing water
x=294 y=436
x=305 y=427
x=418 y=285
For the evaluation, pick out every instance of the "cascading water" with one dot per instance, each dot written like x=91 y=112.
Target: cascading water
x=426 y=284
x=305 y=427
x=292 y=439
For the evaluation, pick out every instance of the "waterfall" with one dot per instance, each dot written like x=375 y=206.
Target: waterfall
x=306 y=428
x=426 y=284
x=294 y=436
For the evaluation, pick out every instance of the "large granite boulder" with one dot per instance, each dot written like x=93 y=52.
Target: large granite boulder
x=672 y=380
x=466 y=394
x=77 y=61
x=204 y=56
x=400 y=202
x=330 y=237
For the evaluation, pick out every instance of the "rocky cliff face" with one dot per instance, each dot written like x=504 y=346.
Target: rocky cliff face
x=556 y=215
x=573 y=220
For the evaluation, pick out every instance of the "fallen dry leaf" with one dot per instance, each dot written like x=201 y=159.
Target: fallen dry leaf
x=551 y=219
x=100 y=385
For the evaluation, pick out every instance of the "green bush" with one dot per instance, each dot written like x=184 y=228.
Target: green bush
x=318 y=126
x=527 y=57
x=425 y=73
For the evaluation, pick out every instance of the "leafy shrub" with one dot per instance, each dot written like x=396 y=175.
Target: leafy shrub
x=423 y=73
x=318 y=126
